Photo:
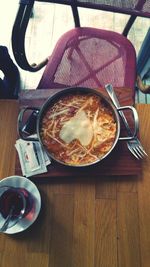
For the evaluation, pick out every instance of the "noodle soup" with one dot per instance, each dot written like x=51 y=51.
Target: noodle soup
x=78 y=129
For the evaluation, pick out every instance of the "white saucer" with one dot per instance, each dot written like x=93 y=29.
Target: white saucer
x=20 y=181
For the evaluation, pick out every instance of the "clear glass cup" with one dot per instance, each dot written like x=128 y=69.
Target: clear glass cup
x=15 y=204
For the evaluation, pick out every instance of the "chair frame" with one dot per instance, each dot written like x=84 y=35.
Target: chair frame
x=24 y=13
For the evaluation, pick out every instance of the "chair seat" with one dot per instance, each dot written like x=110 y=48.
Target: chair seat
x=90 y=57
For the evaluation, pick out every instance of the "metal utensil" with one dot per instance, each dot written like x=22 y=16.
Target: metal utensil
x=133 y=145
x=8 y=218
x=54 y=99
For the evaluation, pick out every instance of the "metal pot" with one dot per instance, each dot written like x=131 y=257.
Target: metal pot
x=51 y=100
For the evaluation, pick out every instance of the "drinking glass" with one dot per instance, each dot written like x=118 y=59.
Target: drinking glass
x=15 y=203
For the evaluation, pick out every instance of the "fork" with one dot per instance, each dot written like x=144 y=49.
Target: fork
x=133 y=145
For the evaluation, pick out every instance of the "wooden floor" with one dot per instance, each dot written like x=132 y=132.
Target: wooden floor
x=50 y=21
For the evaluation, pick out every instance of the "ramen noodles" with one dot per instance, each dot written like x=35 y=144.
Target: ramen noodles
x=78 y=129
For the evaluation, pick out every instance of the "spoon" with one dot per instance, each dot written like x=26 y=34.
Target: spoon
x=8 y=218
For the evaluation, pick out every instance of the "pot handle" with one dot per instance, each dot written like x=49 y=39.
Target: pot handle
x=131 y=134
x=21 y=133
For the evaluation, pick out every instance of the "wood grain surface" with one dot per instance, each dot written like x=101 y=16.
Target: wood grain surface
x=84 y=221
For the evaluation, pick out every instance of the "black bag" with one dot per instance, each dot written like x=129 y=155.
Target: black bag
x=9 y=86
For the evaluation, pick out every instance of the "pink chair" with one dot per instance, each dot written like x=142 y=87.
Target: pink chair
x=92 y=58
x=84 y=56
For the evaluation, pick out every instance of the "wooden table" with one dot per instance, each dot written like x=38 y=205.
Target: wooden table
x=84 y=222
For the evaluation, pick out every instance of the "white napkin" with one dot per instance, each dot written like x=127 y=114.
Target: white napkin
x=33 y=159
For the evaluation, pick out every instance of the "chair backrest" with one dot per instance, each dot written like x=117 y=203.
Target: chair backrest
x=131 y=7
x=92 y=58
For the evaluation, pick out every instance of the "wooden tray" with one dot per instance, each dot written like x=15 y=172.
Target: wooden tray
x=119 y=162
